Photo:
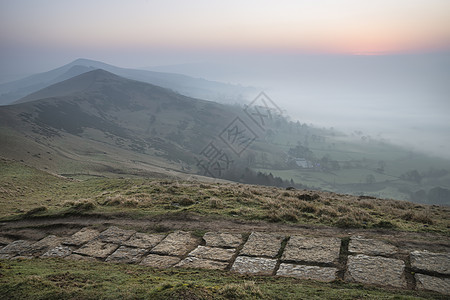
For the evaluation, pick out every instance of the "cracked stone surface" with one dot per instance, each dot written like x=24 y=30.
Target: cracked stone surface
x=307 y=249
x=254 y=265
x=303 y=257
x=431 y=283
x=81 y=237
x=221 y=239
x=159 y=261
x=144 y=241
x=97 y=249
x=262 y=244
x=432 y=262
x=58 y=251
x=212 y=253
x=376 y=270
x=19 y=247
x=115 y=235
x=194 y=262
x=176 y=243
x=325 y=274
x=370 y=247
x=129 y=255
x=49 y=242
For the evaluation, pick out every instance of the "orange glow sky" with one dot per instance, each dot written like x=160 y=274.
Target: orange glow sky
x=330 y=26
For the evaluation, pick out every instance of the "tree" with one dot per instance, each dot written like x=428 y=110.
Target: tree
x=412 y=176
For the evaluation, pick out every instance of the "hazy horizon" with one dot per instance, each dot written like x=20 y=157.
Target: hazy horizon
x=382 y=67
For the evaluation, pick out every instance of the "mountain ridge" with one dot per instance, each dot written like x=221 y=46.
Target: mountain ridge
x=190 y=86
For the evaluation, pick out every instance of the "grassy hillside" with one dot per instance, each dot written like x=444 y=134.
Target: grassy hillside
x=27 y=192
x=100 y=124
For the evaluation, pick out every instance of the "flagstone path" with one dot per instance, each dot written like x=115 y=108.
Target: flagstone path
x=358 y=259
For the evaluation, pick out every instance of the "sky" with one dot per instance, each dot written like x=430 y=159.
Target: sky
x=363 y=64
x=138 y=32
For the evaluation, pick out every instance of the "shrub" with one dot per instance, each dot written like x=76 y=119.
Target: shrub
x=347 y=222
x=308 y=197
x=185 y=201
x=215 y=203
x=384 y=224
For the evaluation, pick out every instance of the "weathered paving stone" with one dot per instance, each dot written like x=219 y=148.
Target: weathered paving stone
x=58 y=251
x=370 y=247
x=431 y=283
x=19 y=247
x=432 y=262
x=176 y=243
x=81 y=237
x=262 y=244
x=325 y=274
x=144 y=241
x=254 y=265
x=46 y=243
x=376 y=270
x=159 y=261
x=213 y=253
x=115 y=235
x=129 y=255
x=314 y=250
x=199 y=263
x=222 y=239
x=97 y=249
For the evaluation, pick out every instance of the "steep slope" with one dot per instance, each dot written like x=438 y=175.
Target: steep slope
x=194 y=87
x=100 y=122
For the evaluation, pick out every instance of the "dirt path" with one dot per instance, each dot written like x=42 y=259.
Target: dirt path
x=37 y=228
x=418 y=261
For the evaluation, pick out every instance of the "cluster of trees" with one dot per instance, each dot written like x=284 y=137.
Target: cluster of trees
x=249 y=176
x=436 y=195
x=416 y=177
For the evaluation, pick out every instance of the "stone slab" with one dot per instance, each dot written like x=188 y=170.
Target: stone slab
x=49 y=242
x=376 y=270
x=199 y=263
x=128 y=255
x=262 y=244
x=58 y=251
x=431 y=283
x=223 y=239
x=213 y=253
x=431 y=262
x=81 y=237
x=370 y=247
x=325 y=274
x=312 y=250
x=176 y=244
x=143 y=240
x=254 y=265
x=97 y=249
x=159 y=261
x=115 y=235
x=19 y=247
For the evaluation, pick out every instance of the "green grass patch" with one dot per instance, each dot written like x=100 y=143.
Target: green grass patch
x=29 y=193
x=64 y=279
